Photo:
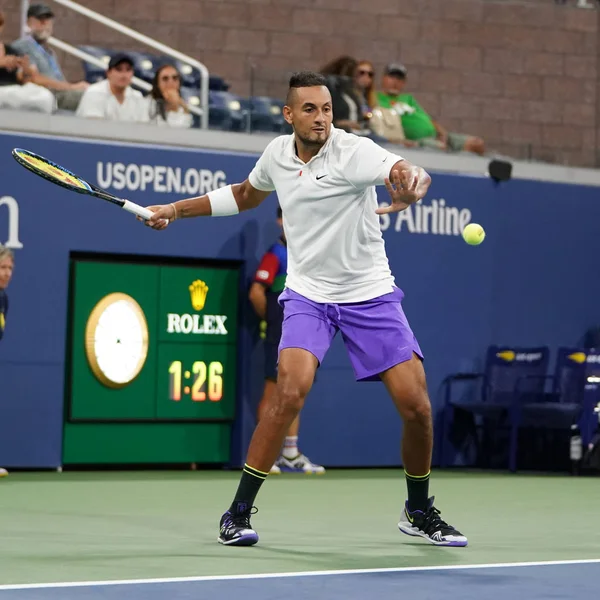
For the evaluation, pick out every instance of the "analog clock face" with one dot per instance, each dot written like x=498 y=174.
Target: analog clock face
x=116 y=340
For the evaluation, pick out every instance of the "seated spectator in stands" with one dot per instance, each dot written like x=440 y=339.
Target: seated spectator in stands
x=16 y=89
x=47 y=72
x=364 y=80
x=348 y=107
x=113 y=98
x=167 y=107
x=384 y=125
x=417 y=124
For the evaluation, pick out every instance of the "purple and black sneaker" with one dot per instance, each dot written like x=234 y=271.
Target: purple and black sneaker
x=431 y=526
x=235 y=529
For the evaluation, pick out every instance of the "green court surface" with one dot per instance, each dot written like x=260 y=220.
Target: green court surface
x=66 y=527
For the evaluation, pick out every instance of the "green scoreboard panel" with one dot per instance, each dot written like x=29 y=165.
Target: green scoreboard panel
x=152 y=360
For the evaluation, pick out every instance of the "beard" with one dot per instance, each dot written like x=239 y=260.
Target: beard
x=312 y=142
x=41 y=36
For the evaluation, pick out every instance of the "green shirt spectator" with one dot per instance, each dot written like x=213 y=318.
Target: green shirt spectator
x=417 y=124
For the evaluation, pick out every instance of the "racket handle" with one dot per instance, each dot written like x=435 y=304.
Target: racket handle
x=138 y=210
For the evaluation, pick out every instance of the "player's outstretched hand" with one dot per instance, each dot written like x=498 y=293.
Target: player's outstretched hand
x=163 y=215
x=405 y=188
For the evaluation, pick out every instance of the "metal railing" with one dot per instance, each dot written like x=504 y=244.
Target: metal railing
x=93 y=60
x=140 y=37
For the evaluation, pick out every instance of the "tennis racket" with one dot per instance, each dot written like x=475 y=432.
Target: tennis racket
x=60 y=176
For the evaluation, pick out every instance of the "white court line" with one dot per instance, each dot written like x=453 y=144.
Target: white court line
x=69 y=584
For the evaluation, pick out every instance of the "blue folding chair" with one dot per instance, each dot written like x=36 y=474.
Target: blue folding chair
x=591 y=396
x=556 y=406
x=510 y=376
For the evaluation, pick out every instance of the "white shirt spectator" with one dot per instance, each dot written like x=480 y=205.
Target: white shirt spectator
x=335 y=247
x=179 y=118
x=98 y=102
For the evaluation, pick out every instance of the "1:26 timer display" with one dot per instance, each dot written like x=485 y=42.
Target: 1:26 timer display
x=206 y=381
x=196 y=381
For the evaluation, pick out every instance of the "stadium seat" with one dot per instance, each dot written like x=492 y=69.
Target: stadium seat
x=192 y=96
x=265 y=114
x=566 y=403
x=225 y=111
x=143 y=65
x=92 y=72
x=511 y=376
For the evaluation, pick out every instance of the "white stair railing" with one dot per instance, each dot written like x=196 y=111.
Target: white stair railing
x=144 y=39
x=93 y=60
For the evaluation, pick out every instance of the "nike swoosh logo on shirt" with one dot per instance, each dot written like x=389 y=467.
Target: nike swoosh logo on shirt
x=321 y=176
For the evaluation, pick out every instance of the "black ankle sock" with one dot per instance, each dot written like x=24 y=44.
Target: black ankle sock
x=246 y=493
x=418 y=491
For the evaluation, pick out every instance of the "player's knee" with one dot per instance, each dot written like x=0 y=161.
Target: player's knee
x=417 y=409
x=291 y=401
x=291 y=395
x=291 y=391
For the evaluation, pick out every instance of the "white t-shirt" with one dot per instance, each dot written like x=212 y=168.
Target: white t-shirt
x=98 y=102
x=178 y=118
x=335 y=247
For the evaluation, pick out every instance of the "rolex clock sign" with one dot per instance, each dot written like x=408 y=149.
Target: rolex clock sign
x=152 y=351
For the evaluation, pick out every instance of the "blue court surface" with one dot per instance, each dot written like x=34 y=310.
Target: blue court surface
x=571 y=580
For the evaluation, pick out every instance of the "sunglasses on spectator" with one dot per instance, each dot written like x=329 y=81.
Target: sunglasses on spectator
x=169 y=77
x=366 y=72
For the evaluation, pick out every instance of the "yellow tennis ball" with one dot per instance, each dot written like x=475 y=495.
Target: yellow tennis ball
x=473 y=234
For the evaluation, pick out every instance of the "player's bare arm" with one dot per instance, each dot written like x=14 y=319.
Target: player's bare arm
x=406 y=185
x=246 y=197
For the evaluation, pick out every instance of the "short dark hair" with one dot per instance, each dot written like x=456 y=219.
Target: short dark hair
x=306 y=79
x=279 y=212
x=302 y=79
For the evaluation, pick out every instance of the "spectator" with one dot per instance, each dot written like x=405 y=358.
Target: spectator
x=347 y=107
x=16 y=89
x=167 y=107
x=417 y=124
x=113 y=98
x=7 y=262
x=47 y=72
x=364 y=78
x=382 y=121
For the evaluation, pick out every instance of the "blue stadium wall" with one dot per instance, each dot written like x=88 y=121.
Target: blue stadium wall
x=534 y=281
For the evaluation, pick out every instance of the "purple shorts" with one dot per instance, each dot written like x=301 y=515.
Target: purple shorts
x=376 y=333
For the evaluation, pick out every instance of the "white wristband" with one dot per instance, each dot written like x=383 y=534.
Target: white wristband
x=222 y=202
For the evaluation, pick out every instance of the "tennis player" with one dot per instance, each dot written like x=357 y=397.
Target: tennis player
x=338 y=280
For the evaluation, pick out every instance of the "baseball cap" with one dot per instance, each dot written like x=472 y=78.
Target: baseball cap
x=118 y=58
x=396 y=69
x=39 y=10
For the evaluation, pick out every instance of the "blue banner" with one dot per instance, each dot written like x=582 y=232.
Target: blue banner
x=531 y=282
